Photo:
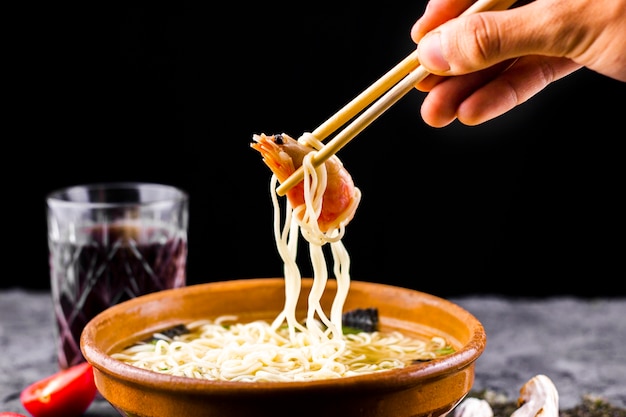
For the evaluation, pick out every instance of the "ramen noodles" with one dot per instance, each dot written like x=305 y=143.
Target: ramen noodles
x=292 y=348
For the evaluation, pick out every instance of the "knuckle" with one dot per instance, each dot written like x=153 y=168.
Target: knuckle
x=482 y=44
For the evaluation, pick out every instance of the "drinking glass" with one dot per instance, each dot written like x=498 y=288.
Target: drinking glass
x=110 y=242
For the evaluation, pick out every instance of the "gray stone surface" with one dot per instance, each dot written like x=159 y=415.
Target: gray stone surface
x=579 y=344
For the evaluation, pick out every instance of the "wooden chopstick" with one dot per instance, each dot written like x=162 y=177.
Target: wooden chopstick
x=361 y=101
x=396 y=87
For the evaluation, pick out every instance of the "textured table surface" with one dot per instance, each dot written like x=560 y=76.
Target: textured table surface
x=579 y=344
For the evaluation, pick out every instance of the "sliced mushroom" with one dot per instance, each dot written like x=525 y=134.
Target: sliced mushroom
x=473 y=407
x=538 y=398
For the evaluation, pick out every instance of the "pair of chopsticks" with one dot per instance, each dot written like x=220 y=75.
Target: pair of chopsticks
x=395 y=86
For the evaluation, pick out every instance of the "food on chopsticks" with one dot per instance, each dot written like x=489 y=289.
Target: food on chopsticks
x=321 y=345
x=333 y=198
x=318 y=209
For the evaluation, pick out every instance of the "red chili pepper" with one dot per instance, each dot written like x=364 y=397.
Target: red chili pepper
x=10 y=414
x=67 y=393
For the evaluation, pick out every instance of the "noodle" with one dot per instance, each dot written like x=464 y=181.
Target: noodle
x=254 y=351
x=286 y=349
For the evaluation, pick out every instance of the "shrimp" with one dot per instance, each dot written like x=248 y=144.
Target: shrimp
x=283 y=155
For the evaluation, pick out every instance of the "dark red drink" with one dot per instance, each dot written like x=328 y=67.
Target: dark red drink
x=113 y=264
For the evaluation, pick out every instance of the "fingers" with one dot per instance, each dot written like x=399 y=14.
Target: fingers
x=475 y=42
x=582 y=30
x=469 y=56
x=436 y=13
x=484 y=95
x=524 y=79
x=441 y=106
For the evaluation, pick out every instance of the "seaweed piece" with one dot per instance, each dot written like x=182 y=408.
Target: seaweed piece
x=168 y=334
x=360 y=319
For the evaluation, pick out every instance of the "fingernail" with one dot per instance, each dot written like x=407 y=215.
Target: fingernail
x=430 y=53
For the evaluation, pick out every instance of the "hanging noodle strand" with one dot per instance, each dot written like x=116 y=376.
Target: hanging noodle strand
x=287 y=349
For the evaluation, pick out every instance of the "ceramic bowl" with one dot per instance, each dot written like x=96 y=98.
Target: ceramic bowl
x=430 y=388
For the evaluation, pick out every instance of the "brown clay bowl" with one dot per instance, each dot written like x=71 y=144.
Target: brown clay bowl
x=431 y=388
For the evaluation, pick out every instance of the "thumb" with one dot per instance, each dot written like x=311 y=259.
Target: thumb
x=471 y=43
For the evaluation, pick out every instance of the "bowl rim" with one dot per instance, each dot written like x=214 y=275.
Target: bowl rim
x=388 y=379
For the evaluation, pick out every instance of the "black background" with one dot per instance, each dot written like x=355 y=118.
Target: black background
x=529 y=204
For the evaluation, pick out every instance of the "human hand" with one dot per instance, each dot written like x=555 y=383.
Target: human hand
x=485 y=64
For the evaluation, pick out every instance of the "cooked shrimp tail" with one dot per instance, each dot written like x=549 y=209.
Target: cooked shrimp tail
x=340 y=198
